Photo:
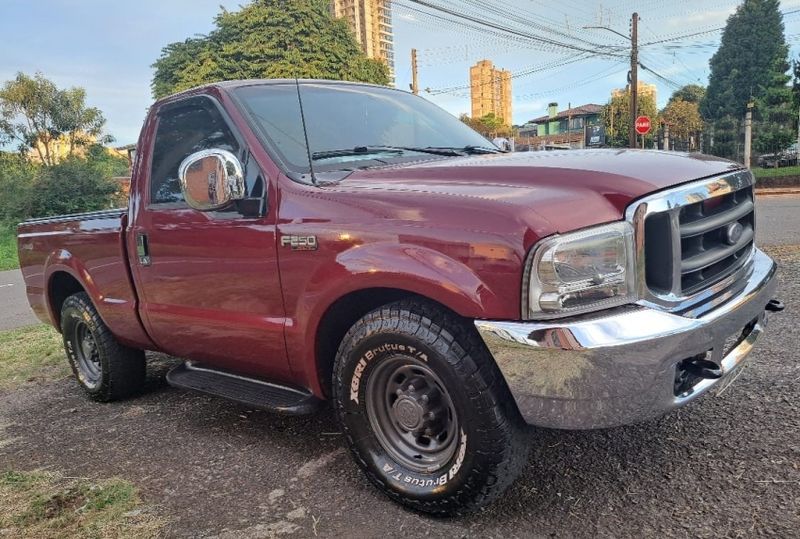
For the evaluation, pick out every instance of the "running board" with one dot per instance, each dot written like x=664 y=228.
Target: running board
x=249 y=391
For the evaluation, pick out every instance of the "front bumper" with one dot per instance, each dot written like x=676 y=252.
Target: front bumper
x=619 y=368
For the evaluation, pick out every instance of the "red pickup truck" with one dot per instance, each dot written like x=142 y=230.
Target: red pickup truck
x=304 y=241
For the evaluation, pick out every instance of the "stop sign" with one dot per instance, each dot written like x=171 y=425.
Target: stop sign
x=642 y=125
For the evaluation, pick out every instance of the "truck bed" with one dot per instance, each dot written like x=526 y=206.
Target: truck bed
x=84 y=248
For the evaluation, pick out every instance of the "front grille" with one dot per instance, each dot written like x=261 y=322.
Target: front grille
x=711 y=237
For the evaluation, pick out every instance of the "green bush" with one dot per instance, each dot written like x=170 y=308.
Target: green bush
x=76 y=184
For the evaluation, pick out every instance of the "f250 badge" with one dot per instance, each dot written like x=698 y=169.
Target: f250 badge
x=300 y=243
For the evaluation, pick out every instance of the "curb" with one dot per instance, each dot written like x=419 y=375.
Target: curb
x=778 y=191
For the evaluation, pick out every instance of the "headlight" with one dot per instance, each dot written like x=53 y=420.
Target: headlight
x=583 y=271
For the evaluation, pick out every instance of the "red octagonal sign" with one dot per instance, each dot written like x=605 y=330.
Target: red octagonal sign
x=643 y=125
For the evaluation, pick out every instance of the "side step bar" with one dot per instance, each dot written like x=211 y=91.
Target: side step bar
x=249 y=391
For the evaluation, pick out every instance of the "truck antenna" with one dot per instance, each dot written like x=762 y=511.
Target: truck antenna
x=305 y=133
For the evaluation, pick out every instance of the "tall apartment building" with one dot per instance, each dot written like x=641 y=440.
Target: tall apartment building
x=645 y=89
x=371 y=21
x=491 y=91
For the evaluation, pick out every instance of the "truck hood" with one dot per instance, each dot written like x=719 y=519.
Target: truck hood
x=567 y=189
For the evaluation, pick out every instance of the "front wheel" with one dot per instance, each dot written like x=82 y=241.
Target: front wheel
x=425 y=410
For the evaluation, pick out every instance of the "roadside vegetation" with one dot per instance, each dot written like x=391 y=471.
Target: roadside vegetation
x=8 y=248
x=780 y=172
x=60 y=165
x=28 y=354
x=44 y=504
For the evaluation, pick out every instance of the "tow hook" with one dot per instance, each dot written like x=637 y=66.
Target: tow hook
x=775 y=306
x=702 y=368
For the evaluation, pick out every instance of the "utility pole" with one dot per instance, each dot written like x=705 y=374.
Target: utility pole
x=634 y=79
x=748 y=133
x=414 y=80
x=666 y=136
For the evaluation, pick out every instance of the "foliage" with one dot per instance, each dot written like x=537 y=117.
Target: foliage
x=36 y=114
x=16 y=184
x=76 y=184
x=46 y=504
x=683 y=118
x=8 y=248
x=490 y=125
x=751 y=63
x=691 y=93
x=617 y=118
x=268 y=39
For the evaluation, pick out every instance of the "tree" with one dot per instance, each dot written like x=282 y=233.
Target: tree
x=684 y=120
x=617 y=118
x=35 y=114
x=751 y=63
x=691 y=93
x=268 y=39
x=489 y=125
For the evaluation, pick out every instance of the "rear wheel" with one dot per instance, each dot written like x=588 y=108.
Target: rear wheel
x=106 y=369
x=425 y=410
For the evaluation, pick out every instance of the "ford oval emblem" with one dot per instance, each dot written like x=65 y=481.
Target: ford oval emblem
x=733 y=233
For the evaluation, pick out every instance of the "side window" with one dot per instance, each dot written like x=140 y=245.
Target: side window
x=182 y=130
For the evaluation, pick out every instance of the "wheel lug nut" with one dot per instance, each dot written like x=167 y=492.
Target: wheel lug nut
x=428 y=432
x=411 y=388
x=430 y=415
x=424 y=399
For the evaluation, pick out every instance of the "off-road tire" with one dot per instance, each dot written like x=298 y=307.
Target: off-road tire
x=121 y=369
x=492 y=443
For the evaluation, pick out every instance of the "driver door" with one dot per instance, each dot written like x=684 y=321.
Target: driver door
x=208 y=285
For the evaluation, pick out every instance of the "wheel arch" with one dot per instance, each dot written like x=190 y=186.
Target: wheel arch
x=340 y=316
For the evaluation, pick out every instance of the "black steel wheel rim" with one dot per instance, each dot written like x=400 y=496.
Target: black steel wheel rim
x=411 y=413
x=87 y=356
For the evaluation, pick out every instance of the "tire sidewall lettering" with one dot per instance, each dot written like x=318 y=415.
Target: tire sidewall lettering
x=397 y=476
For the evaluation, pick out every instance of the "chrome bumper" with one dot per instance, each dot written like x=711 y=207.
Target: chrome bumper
x=620 y=368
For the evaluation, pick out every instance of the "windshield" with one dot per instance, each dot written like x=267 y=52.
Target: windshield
x=351 y=126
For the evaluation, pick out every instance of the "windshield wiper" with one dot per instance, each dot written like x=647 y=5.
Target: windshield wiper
x=470 y=149
x=358 y=150
x=450 y=151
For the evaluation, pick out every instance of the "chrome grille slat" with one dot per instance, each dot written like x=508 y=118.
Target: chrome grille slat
x=710 y=257
x=707 y=224
x=683 y=241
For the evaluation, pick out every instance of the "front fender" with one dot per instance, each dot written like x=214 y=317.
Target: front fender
x=411 y=268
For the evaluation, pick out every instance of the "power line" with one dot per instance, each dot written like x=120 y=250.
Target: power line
x=515 y=32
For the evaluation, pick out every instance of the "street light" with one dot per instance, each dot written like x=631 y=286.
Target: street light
x=606 y=28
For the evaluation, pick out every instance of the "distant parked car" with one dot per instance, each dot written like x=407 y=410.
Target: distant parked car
x=785 y=158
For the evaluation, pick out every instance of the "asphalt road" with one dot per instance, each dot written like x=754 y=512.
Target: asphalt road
x=14 y=309
x=778 y=224
x=725 y=466
x=778 y=220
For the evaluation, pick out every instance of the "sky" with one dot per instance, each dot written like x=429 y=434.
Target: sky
x=108 y=48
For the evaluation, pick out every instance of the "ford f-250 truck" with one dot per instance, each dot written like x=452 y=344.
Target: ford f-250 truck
x=303 y=241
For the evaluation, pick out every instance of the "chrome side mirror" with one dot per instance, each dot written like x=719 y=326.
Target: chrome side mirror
x=211 y=179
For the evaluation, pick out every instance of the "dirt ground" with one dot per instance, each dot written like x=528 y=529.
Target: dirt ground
x=727 y=466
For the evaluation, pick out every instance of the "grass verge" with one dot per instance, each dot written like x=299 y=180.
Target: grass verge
x=8 y=248
x=44 y=504
x=759 y=172
x=29 y=354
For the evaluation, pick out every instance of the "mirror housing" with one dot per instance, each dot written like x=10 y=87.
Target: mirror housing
x=211 y=179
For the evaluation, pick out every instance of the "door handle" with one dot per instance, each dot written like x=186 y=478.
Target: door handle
x=142 y=249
